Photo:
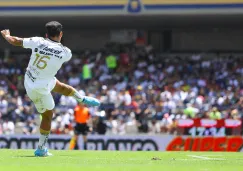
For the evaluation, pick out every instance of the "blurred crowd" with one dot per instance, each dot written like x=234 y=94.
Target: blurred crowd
x=140 y=91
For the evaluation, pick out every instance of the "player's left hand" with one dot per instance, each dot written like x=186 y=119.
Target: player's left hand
x=5 y=33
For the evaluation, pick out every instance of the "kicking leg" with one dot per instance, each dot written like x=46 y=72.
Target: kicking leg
x=68 y=90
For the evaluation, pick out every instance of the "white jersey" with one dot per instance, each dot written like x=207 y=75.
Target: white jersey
x=46 y=59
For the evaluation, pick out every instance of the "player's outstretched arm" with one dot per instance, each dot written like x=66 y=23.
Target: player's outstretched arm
x=16 y=41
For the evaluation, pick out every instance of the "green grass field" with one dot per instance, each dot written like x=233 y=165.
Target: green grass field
x=23 y=160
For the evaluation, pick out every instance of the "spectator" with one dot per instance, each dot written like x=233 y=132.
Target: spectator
x=8 y=127
x=127 y=98
x=101 y=126
x=215 y=114
x=57 y=126
x=111 y=63
x=86 y=72
x=30 y=127
x=166 y=123
x=124 y=62
x=191 y=111
x=1 y=130
x=154 y=127
x=3 y=105
x=121 y=128
x=74 y=80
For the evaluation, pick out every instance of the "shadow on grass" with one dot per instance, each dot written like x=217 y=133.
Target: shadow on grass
x=25 y=156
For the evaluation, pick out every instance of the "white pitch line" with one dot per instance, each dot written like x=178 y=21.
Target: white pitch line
x=213 y=155
x=204 y=158
x=188 y=159
x=199 y=157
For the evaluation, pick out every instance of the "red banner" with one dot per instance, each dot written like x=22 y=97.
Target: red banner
x=206 y=144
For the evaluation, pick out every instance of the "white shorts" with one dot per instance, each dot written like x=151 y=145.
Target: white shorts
x=42 y=101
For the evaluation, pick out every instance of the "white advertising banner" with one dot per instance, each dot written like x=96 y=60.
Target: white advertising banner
x=130 y=143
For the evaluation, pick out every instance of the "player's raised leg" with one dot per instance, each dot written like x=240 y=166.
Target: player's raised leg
x=45 y=128
x=68 y=90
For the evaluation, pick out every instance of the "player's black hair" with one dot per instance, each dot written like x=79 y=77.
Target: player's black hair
x=53 y=28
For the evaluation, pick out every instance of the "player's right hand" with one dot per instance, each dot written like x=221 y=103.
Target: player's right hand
x=5 y=33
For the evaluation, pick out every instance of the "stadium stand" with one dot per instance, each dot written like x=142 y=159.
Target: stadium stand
x=141 y=91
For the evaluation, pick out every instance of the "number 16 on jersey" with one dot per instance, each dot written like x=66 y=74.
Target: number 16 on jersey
x=41 y=61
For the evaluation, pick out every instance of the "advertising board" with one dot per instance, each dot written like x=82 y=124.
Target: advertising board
x=131 y=143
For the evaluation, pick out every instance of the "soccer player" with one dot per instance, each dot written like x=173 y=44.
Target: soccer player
x=82 y=117
x=47 y=57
